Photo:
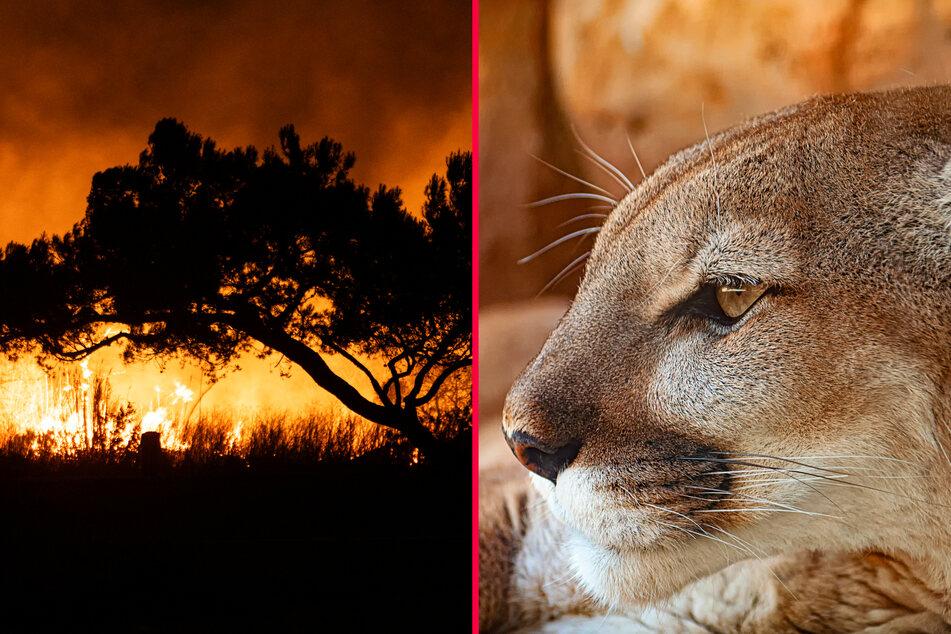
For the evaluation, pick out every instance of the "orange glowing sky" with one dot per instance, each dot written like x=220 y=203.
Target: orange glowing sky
x=85 y=83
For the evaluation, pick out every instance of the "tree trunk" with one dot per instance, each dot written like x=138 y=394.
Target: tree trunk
x=407 y=423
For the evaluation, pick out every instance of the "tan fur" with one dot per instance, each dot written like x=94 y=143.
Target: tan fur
x=840 y=375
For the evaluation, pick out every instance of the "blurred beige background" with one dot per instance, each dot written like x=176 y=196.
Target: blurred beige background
x=643 y=69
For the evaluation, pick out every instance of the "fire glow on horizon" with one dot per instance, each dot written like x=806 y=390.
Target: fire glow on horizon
x=72 y=410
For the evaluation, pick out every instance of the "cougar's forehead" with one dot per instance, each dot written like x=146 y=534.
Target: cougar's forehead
x=850 y=190
x=692 y=233
x=866 y=238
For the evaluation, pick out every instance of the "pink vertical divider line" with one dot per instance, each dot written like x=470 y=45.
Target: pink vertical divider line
x=475 y=315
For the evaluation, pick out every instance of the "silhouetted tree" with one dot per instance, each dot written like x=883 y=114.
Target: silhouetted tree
x=205 y=251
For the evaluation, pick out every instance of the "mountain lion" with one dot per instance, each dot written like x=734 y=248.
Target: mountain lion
x=743 y=422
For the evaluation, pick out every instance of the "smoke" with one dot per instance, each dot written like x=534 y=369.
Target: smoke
x=85 y=83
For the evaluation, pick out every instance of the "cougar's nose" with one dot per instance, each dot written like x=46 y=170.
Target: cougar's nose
x=545 y=460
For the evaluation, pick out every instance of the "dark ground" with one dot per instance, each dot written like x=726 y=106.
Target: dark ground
x=385 y=549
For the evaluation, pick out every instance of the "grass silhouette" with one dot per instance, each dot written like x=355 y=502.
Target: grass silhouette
x=69 y=418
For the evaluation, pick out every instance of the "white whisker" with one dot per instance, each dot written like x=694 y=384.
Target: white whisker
x=552 y=245
x=639 y=166
x=716 y=187
x=941 y=447
x=750 y=547
x=663 y=508
x=576 y=195
x=774 y=510
x=559 y=579
x=617 y=174
x=582 y=217
x=751 y=498
x=607 y=171
x=768 y=457
x=739 y=471
x=631 y=493
x=787 y=472
x=745 y=543
x=696 y=534
x=565 y=272
x=825 y=457
x=770 y=482
x=856 y=456
x=571 y=176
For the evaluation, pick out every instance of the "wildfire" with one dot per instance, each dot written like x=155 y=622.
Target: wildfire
x=71 y=411
x=168 y=416
x=154 y=419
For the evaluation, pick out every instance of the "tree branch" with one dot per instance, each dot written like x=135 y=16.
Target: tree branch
x=349 y=357
x=434 y=359
x=434 y=388
x=76 y=355
x=293 y=305
x=396 y=375
x=315 y=366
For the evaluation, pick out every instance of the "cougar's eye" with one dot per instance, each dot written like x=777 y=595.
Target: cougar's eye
x=735 y=300
x=723 y=303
